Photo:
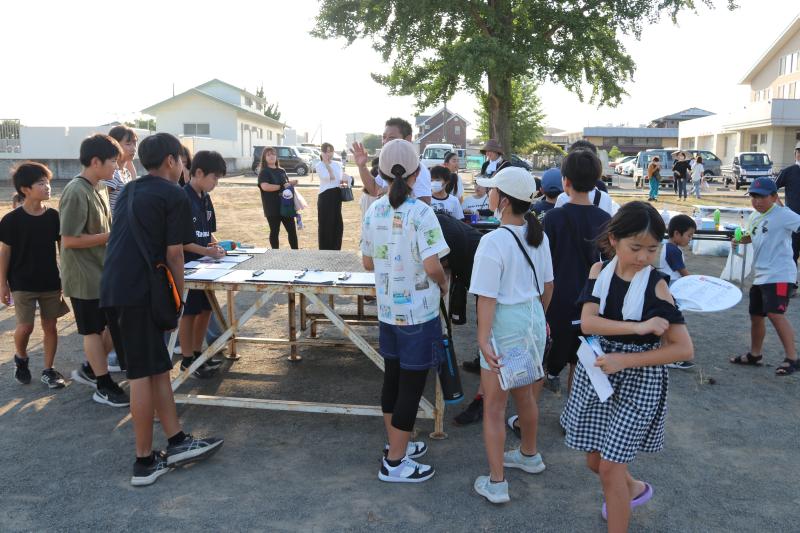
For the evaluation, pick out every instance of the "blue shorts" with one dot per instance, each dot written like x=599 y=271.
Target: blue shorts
x=417 y=347
x=196 y=303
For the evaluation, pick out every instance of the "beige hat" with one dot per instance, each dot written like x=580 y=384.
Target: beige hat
x=398 y=152
x=492 y=146
x=513 y=181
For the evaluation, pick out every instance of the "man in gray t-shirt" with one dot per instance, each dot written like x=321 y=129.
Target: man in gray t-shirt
x=770 y=231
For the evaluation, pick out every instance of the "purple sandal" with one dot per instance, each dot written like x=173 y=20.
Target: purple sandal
x=641 y=499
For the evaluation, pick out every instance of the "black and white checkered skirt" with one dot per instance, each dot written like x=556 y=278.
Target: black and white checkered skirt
x=630 y=421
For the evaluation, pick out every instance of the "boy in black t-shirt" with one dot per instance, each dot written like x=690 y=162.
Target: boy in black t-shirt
x=29 y=270
x=572 y=231
x=207 y=168
x=163 y=221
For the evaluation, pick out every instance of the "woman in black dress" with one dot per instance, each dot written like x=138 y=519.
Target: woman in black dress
x=272 y=181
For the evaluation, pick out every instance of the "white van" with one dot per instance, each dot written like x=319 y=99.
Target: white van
x=434 y=155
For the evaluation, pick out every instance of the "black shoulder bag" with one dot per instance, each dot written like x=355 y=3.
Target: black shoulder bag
x=527 y=257
x=165 y=302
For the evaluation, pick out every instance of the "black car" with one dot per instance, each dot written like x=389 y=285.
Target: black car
x=288 y=158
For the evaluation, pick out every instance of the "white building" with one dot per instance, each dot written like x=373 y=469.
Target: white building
x=219 y=116
x=770 y=121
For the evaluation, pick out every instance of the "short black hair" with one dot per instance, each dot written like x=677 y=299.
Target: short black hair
x=154 y=149
x=27 y=173
x=103 y=147
x=440 y=173
x=681 y=224
x=400 y=124
x=123 y=133
x=582 y=168
x=209 y=162
x=583 y=144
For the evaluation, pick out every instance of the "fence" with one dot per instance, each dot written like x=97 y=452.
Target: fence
x=9 y=136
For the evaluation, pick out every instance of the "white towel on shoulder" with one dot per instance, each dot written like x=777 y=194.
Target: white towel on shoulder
x=633 y=304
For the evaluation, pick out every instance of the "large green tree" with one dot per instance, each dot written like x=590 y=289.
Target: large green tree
x=270 y=110
x=372 y=142
x=436 y=47
x=527 y=118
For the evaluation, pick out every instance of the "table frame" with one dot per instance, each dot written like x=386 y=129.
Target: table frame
x=232 y=325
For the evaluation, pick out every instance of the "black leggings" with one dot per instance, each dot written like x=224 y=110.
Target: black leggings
x=330 y=226
x=275 y=228
x=402 y=390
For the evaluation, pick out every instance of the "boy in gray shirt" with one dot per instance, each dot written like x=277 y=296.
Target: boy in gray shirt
x=770 y=231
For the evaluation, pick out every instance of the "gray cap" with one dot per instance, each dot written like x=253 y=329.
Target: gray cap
x=398 y=152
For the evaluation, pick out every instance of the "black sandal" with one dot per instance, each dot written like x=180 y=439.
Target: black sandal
x=747 y=359
x=791 y=366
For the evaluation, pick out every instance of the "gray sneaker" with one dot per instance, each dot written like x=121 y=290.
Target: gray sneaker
x=515 y=459
x=113 y=362
x=494 y=492
x=192 y=449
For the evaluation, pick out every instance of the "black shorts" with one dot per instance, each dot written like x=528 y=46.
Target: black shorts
x=563 y=349
x=88 y=316
x=139 y=342
x=196 y=303
x=770 y=298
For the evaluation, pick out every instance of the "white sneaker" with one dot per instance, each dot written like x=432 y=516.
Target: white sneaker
x=414 y=450
x=494 y=492
x=408 y=471
x=515 y=459
x=177 y=350
x=113 y=362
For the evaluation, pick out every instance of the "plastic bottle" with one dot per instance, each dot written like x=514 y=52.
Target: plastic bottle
x=717 y=216
x=737 y=234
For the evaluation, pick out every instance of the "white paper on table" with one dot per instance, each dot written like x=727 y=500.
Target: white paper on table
x=240 y=251
x=236 y=276
x=236 y=259
x=208 y=264
x=275 y=276
x=207 y=274
x=357 y=278
x=318 y=278
x=587 y=355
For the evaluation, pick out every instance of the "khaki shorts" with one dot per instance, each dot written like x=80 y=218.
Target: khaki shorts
x=51 y=305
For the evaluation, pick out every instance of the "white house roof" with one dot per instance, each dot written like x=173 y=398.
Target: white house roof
x=784 y=37
x=153 y=109
x=220 y=82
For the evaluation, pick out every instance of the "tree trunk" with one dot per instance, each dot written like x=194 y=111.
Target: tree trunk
x=500 y=111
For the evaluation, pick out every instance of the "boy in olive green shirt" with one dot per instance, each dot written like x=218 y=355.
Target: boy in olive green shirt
x=85 y=226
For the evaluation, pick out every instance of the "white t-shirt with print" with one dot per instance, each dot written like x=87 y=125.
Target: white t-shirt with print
x=327 y=182
x=606 y=203
x=697 y=172
x=472 y=204
x=772 y=245
x=449 y=205
x=422 y=186
x=398 y=241
x=501 y=271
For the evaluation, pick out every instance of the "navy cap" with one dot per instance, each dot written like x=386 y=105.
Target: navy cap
x=763 y=187
x=551 y=181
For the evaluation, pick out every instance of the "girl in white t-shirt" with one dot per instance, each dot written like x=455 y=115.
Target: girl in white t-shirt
x=441 y=200
x=513 y=279
x=476 y=202
x=697 y=176
x=329 y=202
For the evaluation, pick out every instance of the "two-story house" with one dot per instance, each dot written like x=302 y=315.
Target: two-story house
x=770 y=120
x=443 y=126
x=219 y=116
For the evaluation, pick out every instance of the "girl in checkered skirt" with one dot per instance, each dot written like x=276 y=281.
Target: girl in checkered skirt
x=627 y=304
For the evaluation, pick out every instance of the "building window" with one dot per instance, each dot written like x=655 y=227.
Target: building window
x=260 y=106
x=269 y=135
x=196 y=129
x=427 y=126
x=792 y=91
x=457 y=130
x=763 y=138
x=782 y=66
x=248 y=102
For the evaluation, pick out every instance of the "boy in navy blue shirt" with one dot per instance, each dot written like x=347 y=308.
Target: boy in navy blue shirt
x=680 y=231
x=551 y=187
x=207 y=168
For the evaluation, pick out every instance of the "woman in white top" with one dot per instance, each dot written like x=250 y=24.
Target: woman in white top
x=513 y=279
x=401 y=240
x=452 y=163
x=329 y=202
x=697 y=175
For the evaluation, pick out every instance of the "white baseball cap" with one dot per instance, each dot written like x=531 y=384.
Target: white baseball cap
x=398 y=152
x=513 y=181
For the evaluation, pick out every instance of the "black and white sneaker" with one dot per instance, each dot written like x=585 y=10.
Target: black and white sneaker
x=408 y=471
x=112 y=396
x=203 y=371
x=192 y=449
x=681 y=365
x=85 y=375
x=414 y=450
x=147 y=475
x=53 y=379
x=21 y=371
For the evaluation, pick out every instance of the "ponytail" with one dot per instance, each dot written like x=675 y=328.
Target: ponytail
x=534 y=232
x=399 y=190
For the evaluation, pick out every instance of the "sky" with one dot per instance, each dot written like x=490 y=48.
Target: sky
x=90 y=63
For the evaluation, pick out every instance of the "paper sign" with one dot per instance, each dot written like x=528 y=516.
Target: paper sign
x=207 y=274
x=587 y=355
x=236 y=259
x=240 y=251
x=358 y=278
x=208 y=264
x=704 y=294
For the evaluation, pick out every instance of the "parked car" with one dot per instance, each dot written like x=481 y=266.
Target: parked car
x=624 y=165
x=288 y=158
x=434 y=154
x=644 y=158
x=312 y=155
x=712 y=164
x=746 y=167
